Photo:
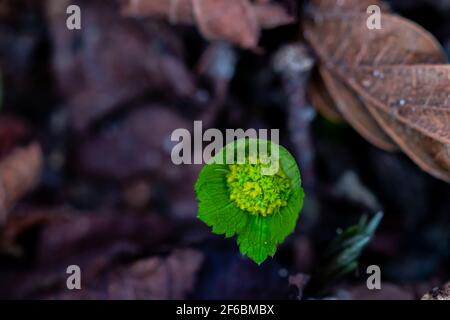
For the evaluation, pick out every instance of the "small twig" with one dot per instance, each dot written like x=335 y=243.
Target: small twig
x=294 y=63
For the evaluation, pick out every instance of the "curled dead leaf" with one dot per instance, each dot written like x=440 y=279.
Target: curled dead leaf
x=237 y=21
x=270 y=15
x=233 y=20
x=391 y=84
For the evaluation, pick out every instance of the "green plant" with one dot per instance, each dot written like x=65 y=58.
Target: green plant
x=341 y=256
x=238 y=199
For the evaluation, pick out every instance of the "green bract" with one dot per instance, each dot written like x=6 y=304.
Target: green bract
x=238 y=199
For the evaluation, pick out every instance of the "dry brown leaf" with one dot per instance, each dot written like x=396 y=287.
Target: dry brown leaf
x=233 y=20
x=271 y=15
x=418 y=96
x=390 y=84
x=429 y=154
x=237 y=21
x=19 y=173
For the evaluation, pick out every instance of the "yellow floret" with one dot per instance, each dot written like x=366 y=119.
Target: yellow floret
x=256 y=193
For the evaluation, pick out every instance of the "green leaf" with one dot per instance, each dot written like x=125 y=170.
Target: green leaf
x=257 y=235
x=216 y=210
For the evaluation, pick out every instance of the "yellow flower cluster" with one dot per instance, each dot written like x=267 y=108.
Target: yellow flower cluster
x=256 y=193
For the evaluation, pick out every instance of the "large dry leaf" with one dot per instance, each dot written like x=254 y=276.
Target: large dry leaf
x=434 y=158
x=390 y=84
x=237 y=21
x=418 y=96
x=354 y=50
